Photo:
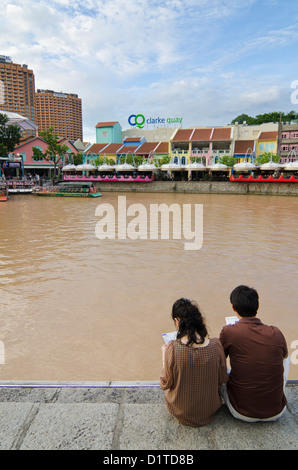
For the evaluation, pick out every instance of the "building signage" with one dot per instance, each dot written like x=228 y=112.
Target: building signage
x=60 y=95
x=14 y=165
x=139 y=120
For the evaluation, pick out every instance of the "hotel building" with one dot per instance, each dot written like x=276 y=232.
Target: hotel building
x=17 y=88
x=63 y=111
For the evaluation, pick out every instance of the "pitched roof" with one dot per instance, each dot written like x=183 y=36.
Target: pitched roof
x=268 y=135
x=106 y=124
x=127 y=149
x=96 y=148
x=111 y=148
x=132 y=139
x=242 y=146
x=28 y=140
x=163 y=147
x=201 y=135
x=146 y=148
x=182 y=135
x=221 y=133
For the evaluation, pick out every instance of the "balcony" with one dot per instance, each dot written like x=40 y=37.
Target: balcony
x=180 y=153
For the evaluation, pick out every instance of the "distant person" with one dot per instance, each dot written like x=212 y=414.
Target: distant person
x=259 y=368
x=194 y=368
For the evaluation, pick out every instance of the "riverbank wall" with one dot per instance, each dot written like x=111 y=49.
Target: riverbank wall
x=202 y=187
x=120 y=417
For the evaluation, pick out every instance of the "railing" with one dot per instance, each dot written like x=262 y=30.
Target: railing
x=110 y=178
x=264 y=179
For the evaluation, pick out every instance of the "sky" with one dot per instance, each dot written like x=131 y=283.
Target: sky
x=205 y=61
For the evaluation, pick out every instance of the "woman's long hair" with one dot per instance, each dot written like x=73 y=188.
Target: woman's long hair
x=191 y=321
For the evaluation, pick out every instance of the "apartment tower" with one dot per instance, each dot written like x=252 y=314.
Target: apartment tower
x=63 y=111
x=17 y=88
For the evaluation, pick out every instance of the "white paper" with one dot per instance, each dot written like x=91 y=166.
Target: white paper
x=231 y=320
x=169 y=336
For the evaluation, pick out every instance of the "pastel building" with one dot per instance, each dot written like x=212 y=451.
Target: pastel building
x=267 y=142
x=288 y=149
x=108 y=132
x=104 y=150
x=244 y=149
x=206 y=143
x=157 y=149
x=180 y=146
x=42 y=166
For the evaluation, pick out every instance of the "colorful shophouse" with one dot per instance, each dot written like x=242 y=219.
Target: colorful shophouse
x=267 y=143
x=108 y=132
x=42 y=168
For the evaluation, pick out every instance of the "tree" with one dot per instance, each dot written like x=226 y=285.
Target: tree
x=243 y=118
x=227 y=160
x=54 y=152
x=266 y=157
x=275 y=116
x=10 y=135
x=78 y=159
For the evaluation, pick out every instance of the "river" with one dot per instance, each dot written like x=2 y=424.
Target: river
x=78 y=308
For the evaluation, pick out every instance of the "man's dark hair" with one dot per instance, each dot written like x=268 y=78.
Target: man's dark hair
x=245 y=300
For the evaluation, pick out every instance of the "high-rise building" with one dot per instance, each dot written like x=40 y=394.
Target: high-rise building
x=17 y=88
x=63 y=111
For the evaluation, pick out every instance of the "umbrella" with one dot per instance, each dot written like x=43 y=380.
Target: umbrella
x=244 y=166
x=291 y=166
x=147 y=167
x=69 y=167
x=171 y=167
x=85 y=167
x=196 y=166
x=270 y=166
x=219 y=167
x=124 y=167
x=105 y=167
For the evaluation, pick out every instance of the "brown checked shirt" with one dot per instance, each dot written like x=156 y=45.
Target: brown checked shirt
x=256 y=352
x=191 y=378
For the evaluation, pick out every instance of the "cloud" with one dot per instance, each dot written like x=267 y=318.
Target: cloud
x=203 y=59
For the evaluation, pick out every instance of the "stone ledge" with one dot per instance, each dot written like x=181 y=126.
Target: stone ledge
x=126 y=417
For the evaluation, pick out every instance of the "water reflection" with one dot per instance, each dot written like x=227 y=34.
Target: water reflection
x=74 y=307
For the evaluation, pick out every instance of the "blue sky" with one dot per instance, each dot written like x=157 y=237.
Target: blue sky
x=206 y=61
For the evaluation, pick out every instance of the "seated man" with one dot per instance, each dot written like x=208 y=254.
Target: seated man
x=257 y=352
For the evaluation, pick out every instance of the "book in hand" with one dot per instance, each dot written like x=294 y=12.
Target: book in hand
x=169 y=336
x=231 y=320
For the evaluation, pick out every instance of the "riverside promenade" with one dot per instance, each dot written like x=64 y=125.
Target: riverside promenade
x=202 y=187
x=123 y=417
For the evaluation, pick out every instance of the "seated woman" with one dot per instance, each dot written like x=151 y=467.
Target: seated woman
x=194 y=368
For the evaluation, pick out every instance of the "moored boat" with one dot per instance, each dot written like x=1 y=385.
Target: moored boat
x=3 y=192
x=67 y=189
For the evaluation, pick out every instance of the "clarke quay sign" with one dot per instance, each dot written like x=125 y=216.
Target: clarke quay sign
x=139 y=120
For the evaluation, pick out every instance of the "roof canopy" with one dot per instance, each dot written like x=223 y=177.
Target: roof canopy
x=23 y=122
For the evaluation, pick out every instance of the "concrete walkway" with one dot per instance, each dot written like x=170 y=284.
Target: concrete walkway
x=114 y=416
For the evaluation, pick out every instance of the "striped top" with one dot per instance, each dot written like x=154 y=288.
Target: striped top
x=191 y=378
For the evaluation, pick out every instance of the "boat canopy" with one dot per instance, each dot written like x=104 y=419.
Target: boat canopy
x=76 y=184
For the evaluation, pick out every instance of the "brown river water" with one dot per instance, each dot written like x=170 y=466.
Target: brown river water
x=77 y=308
